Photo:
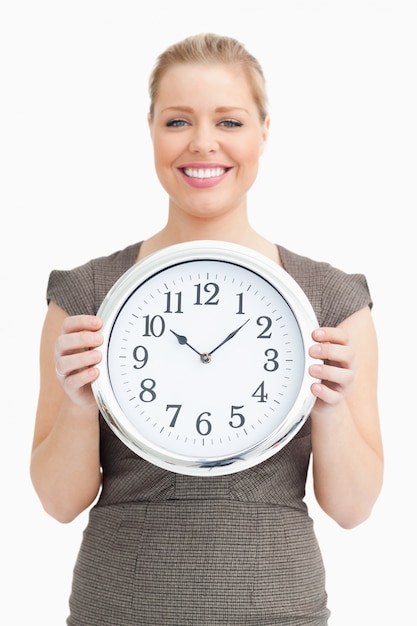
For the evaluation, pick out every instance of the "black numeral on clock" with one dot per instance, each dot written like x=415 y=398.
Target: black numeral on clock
x=212 y=291
x=177 y=409
x=147 y=394
x=173 y=302
x=260 y=393
x=240 y=310
x=154 y=326
x=272 y=363
x=266 y=321
x=203 y=425
x=140 y=354
x=239 y=418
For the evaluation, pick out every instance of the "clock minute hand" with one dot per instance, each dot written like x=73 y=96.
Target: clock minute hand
x=183 y=341
x=230 y=336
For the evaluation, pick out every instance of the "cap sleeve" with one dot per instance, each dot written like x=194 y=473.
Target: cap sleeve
x=333 y=293
x=343 y=295
x=82 y=289
x=72 y=290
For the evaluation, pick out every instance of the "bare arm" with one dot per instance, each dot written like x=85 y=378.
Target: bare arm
x=65 y=463
x=346 y=439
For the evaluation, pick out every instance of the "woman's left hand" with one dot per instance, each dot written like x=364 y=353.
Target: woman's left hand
x=337 y=372
x=345 y=434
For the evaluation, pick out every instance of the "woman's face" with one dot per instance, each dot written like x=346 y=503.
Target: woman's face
x=207 y=137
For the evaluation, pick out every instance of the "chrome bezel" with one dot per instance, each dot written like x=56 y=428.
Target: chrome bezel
x=138 y=274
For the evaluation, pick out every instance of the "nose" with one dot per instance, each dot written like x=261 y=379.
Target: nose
x=204 y=139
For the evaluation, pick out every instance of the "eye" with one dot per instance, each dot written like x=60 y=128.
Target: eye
x=176 y=123
x=231 y=124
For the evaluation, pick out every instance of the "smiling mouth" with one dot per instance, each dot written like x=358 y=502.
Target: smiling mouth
x=207 y=172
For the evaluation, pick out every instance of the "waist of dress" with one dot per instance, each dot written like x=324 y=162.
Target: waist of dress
x=234 y=488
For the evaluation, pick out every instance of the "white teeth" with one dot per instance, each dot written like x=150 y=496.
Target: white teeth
x=211 y=172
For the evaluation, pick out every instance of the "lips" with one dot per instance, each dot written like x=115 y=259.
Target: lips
x=204 y=177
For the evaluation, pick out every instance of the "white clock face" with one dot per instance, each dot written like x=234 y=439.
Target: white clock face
x=206 y=361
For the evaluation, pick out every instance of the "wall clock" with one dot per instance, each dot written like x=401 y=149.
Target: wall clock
x=205 y=358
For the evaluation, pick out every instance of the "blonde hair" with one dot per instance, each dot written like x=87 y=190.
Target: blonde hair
x=211 y=48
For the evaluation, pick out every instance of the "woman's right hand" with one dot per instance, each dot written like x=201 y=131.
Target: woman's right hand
x=65 y=462
x=76 y=356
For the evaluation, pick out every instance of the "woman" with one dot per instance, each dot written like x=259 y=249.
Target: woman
x=161 y=548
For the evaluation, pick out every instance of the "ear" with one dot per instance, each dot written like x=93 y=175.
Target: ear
x=150 y=123
x=265 y=133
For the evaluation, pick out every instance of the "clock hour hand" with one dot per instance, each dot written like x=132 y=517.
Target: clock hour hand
x=232 y=334
x=183 y=341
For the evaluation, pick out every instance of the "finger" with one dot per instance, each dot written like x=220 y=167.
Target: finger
x=329 y=396
x=76 y=381
x=337 y=377
x=331 y=334
x=71 y=363
x=59 y=374
x=333 y=353
x=76 y=323
x=77 y=342
x=78 y=386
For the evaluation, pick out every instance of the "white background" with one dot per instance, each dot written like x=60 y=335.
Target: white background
x=337 y=182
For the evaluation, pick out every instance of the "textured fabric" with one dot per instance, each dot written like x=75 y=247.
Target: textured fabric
x=162 y=549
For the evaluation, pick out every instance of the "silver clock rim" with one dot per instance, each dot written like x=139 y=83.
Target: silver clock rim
x=140 y=273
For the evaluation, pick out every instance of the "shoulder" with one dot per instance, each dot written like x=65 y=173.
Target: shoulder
x=334 y=293
x=82 y=288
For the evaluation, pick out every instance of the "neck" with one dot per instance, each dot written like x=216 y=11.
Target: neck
x=228 y=227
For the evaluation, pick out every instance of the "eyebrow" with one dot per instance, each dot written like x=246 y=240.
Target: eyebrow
x=222 y=109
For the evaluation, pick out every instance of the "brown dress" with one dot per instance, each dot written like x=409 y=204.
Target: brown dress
x=163 y=549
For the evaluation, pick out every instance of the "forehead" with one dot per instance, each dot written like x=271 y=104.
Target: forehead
x=184 y=83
